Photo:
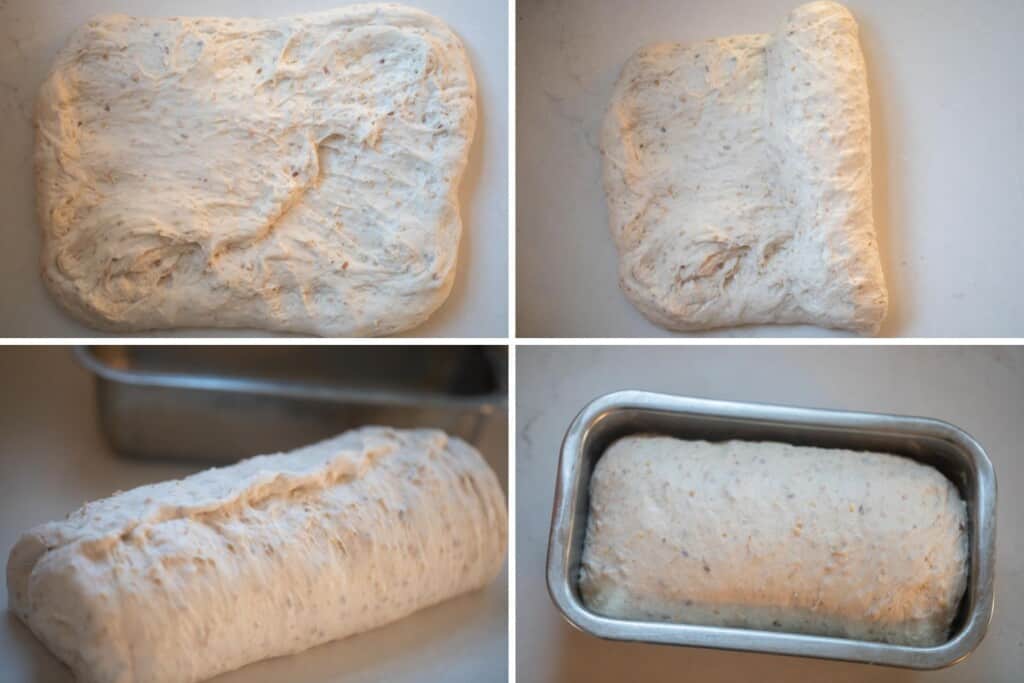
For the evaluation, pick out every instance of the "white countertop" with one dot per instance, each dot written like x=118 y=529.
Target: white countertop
x=948 y=120
x=53 y=459
x=31 y=33
x=978 y=389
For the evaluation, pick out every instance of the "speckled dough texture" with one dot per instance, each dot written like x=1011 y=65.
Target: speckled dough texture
x=738 y=178
x=290 y=175
x=774 y=537
x=179 y=581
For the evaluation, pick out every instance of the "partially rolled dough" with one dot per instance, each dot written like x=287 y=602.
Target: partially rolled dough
x=738 y=178
x=293 y=175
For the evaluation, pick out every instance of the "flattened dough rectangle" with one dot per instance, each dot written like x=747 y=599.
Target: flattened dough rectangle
x=738 y=178
x=294 y=175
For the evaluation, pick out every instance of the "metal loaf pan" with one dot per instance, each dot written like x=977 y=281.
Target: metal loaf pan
x=939 y=444
x=219 y=403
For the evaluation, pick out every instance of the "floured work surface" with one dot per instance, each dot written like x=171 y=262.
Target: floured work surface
x=294 y=175
x=738 y=177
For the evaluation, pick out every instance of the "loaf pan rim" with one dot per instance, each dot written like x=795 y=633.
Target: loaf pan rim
x=276 y=388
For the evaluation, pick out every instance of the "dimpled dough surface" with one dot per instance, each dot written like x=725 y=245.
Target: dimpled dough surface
x=179 y=581
x=738 y=179
x=774 y=537
x=293 y=175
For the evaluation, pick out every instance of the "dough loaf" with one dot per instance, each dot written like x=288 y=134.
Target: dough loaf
x=291 y=175
x=179 y=581
x=738 y=179
x=775 y=537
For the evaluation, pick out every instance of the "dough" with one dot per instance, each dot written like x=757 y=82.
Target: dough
x=182 y=580
x=775 y=537
x=738 y=178
x=292 y=175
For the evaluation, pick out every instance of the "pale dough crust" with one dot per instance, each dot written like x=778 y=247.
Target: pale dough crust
x=738 y=178
x=179 y=581
x=291 y=175
x=775 y=537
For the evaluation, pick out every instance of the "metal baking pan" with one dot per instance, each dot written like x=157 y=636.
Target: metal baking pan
x=939 y=444
x=225 y=403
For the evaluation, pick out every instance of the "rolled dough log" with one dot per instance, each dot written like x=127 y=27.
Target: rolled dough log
x=182 y=580
x=775 y=537
x=293 y=175
x=738 y=179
